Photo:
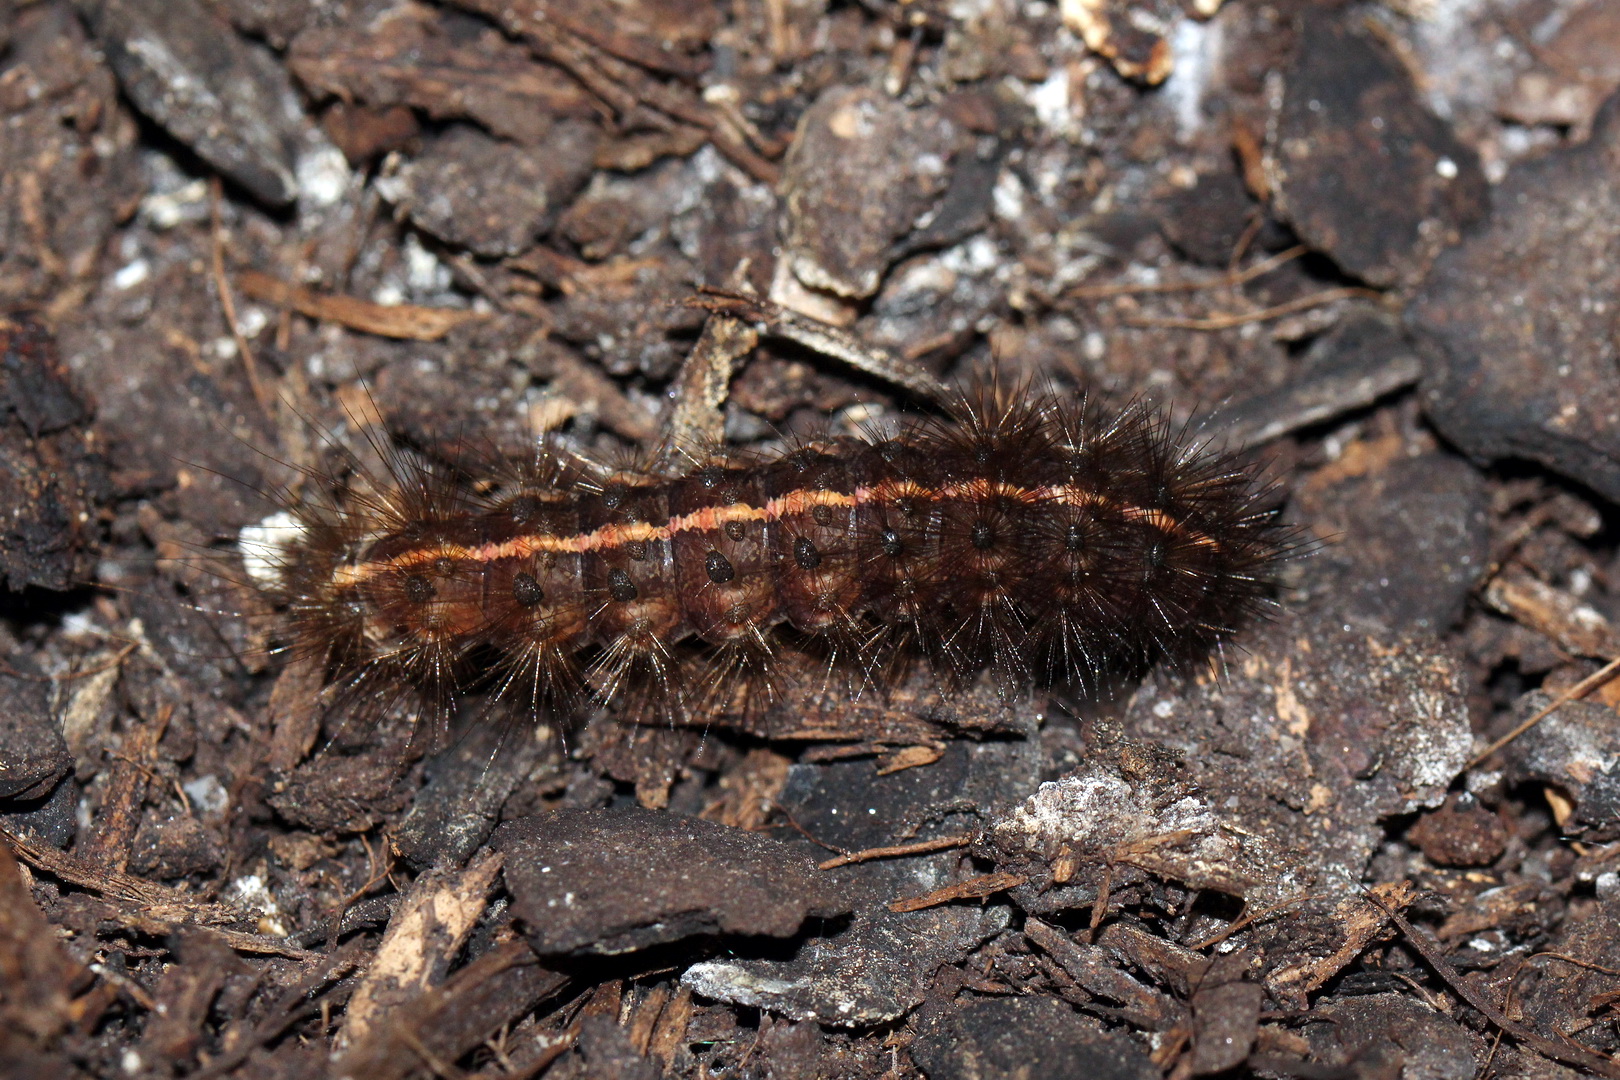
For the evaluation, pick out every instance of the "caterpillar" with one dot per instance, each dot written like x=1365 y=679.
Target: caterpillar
x=1018 y=533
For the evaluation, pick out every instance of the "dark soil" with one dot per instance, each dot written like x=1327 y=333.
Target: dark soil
x=1377 y=243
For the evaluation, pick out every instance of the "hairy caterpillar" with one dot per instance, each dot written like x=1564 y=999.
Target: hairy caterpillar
x=1019 y=534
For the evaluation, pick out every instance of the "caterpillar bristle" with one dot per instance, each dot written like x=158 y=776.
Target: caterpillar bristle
x=1033 y=538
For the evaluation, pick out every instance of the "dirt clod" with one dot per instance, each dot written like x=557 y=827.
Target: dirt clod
x=669 y=878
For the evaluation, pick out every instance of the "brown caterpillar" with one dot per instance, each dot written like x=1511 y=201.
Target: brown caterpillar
x=1021 y=534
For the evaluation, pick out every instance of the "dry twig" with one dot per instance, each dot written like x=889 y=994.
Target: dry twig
x=1227 y=322
x=973 y=888
x=1227 y=280
x=1579 y=690
x=920 y=847
x=1574 y=1056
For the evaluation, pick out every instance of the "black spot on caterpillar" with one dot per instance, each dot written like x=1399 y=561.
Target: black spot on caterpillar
x=1019 y=534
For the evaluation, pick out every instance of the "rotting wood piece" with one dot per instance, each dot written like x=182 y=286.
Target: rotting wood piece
x=446 y=1022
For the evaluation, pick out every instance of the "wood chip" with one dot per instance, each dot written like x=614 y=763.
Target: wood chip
x=409 y=321
x=1576 y=626
x=423 y=937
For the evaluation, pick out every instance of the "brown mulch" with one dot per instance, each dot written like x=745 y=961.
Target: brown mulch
x=1372 y=241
